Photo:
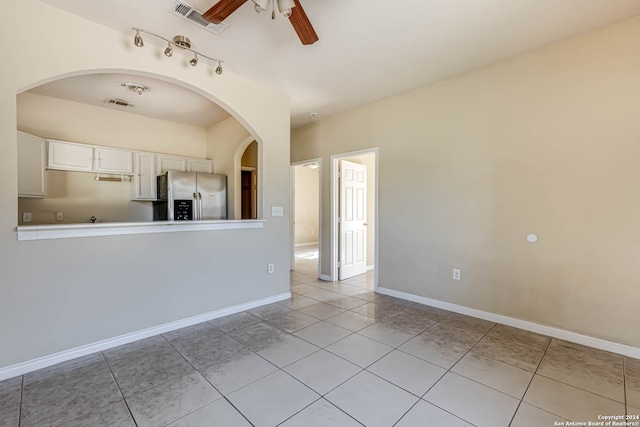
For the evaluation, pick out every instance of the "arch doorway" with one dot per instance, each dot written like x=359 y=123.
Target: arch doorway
x=249 y=182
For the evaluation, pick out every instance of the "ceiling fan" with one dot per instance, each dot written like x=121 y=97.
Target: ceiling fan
x=288 y=8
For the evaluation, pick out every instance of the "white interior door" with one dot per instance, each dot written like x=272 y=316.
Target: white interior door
x=353 y=219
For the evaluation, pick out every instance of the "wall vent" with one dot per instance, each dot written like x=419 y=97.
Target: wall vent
x=119 y=102
x=189 y=12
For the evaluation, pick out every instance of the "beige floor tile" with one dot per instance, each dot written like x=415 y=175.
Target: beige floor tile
x=632 y=367
x=272 y=399
x=322 y=334
x=468 y=322
x=286 y=350
x=569 y=402
x=509 y=352
x=387 y=334
x=438 y=352
x=351 y=321
x=587 y=373
x=236 y=372
x=587 y=355
x=217 y=414
x=530 y=416
x=293 y=321
x=519 y=336
x=408 y=372
x=633 y=393
x=360 y=350
x=473 y=402
x=425 y=414
x=460 y=337
x=322 y=371
x=371 y=400
x=296 y=302
x=321 y=413
x=322 y=310
x=495 y=374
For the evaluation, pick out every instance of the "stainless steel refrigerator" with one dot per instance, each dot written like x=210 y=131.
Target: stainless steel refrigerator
x=185 y=196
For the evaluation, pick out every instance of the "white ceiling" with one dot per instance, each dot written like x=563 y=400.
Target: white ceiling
x=368 y=49
x=159 y=101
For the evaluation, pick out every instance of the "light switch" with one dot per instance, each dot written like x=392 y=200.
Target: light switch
x=277 y=211
x=26 y=217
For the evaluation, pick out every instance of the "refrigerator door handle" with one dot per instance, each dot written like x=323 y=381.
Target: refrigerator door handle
x=200 y=197
x=195 y=206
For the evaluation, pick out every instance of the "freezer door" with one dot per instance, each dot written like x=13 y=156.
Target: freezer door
x=212 y=196
x=182 y=188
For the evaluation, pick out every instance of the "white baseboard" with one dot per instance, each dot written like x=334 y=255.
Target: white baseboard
x=371 y=267
x=614 y=347
x=300 y=245
x=324 y=277
x=66 y=355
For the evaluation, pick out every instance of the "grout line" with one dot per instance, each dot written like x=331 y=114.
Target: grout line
x=119 y=389
x=529 y=385
x=21 y=397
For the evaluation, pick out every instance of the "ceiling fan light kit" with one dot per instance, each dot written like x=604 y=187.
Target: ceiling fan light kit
x=291 y=9
x=181 y=42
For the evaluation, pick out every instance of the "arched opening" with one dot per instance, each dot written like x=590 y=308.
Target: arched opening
x=151 y=136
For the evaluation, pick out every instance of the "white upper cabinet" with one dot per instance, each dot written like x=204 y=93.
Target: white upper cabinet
x=166 y=163
x=111 y=160
x=200 y=165
x=70 y=156
x=31 y=166
x=144 y=176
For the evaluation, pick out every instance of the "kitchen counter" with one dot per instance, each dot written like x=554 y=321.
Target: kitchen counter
x=44 y=232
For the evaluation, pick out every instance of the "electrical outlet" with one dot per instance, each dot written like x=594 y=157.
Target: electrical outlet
x=456 y=274
x=277 y=211
x=26 y=217
x=59 y=216
x=271 y=268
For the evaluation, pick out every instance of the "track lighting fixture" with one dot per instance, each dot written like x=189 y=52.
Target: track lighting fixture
x=181 y=42
x=138 y=39
x=168 y=52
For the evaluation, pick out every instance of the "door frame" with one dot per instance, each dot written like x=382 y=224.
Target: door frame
x=292 y=204
x=334 y=232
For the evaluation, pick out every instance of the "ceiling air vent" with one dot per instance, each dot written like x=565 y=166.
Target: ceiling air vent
x=119 y=102
x=186 y=11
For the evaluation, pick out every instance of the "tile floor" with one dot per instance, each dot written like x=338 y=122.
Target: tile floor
x=335 y=354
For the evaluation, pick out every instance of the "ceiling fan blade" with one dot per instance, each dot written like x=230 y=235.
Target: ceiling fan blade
x=302 y=25
x=221 y=10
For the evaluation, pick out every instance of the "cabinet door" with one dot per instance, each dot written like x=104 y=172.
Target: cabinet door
x=113 y=161
x=200 y=165
x=144 y=177
x=170 y=163
x=31 y=166
x=70 y=157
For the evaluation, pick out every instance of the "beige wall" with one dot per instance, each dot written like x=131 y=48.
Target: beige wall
x=61 y=294
x=307 y=205
x=545 y=143
x=78 y=195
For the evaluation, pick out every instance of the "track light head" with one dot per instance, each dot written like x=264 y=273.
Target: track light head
x=168 y=52
x=194 y=60
x=219 y=69
x=138 y=39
